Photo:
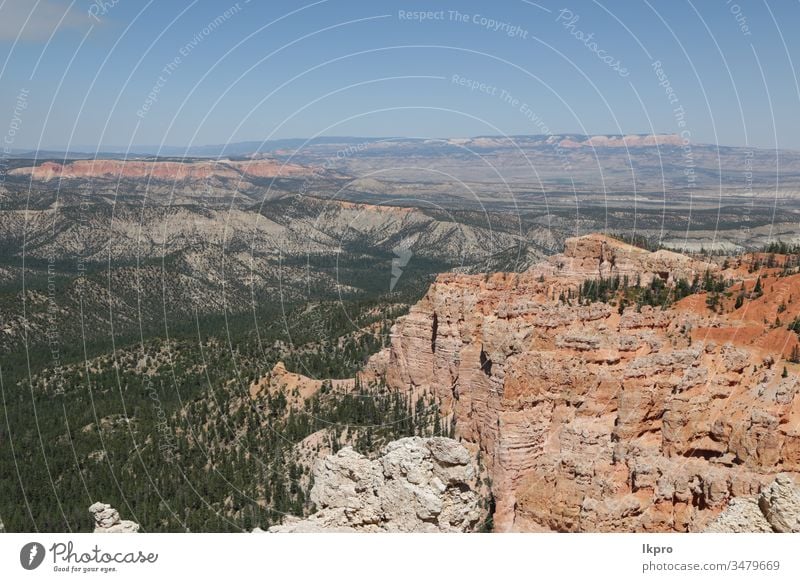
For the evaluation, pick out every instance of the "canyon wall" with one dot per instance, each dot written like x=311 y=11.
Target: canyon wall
x=592 y=417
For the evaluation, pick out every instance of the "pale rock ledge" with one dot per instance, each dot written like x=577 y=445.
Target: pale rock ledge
x=417 y=485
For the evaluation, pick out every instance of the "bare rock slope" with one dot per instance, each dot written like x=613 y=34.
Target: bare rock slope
x=417 y=485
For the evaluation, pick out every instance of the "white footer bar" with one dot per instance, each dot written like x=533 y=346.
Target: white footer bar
x=353 y=557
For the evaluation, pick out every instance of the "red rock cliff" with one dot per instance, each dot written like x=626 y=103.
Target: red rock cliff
x=595 y=420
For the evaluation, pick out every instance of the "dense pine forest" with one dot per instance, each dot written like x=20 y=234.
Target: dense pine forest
x=165 y=430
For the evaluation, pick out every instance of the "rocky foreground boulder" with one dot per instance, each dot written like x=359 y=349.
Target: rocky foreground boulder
x=417 y=485
x=776 y=509
x=107 y=520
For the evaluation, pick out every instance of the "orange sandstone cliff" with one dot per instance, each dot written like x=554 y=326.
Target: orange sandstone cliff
x=599 y=418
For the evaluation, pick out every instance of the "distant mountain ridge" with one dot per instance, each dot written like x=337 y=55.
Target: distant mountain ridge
x=242 y=148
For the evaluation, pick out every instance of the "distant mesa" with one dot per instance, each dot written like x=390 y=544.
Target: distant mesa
x=623 y=141
x=574 y=141
x=159 y=170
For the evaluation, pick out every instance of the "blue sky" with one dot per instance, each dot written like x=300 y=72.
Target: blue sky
x=119 y=72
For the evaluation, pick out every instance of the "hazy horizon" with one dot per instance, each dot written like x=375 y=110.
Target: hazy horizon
x=150 y=149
